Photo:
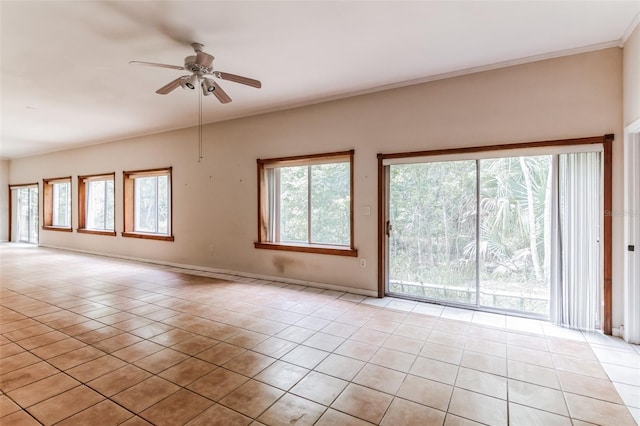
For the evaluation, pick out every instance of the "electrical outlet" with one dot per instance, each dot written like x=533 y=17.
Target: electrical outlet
x=363 y=263
x=366 y=210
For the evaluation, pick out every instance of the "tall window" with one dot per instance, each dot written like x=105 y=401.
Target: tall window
x=57 y=204
x=306 y=203
x=147 y=204
x=96 y=204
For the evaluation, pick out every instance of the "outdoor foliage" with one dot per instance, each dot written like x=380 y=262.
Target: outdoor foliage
x=151 y=204
x=100 y=205
x=324 y=188
x=27 y=208
x=61 y=204
x=294 y=208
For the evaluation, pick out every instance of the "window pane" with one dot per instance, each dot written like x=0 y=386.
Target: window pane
x=23 y=210
x=62 y=204
x=100 y=205
x=151 y=210
x=33 y=215
x=145 y=204
x=95 y=205
x=515 y=212
x=294 y=204
x=330 y=204
x=432 y=209
x=110 y=206
x=163 y=205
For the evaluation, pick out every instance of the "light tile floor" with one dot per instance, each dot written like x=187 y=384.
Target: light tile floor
x=94 y=340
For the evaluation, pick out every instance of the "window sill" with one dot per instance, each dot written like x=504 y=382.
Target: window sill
x=95 y=232
x=309 y=248
x=56 y=228
x=147 y=236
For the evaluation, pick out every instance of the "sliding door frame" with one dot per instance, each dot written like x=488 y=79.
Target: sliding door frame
x=605 y=141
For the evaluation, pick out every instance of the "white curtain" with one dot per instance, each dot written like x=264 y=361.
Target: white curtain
x=272 y=176
x=575 y=271
x=17 y=218
x=555 y=246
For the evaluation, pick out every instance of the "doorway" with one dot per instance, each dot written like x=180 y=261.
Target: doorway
x=24 y=214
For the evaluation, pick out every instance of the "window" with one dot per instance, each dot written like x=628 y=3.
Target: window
x=147 y=204
x=96 y=204
x=306 y=204
x=57 y=204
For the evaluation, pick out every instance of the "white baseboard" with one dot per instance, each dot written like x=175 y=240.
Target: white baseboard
x=197 y=268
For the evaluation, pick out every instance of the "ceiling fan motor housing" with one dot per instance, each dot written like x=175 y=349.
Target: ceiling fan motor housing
x=191 y=65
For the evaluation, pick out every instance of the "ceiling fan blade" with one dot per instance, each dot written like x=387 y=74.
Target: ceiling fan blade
x=153 y=64
x=221 y=95
x=168 y=88
x=204 y=59
x=238 y=79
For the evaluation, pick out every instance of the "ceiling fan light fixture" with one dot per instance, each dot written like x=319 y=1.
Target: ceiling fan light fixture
x=189 y=82
x=183 y=82
x=208 y=85
x=204 y=89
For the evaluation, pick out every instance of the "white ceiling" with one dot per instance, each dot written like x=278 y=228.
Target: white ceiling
x=66 y=81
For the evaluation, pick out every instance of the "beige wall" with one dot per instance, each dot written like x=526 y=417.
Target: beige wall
x=4 y=199
x=215 y=200
x=631 y=77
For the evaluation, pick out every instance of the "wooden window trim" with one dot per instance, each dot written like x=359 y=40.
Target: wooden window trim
x=47 y=204
x=128 y=203
x=606 y=142
x=147 y=236
x=82 y=204
x=607 y=235
x=262 y=242
x=56 y=228
x=96 y=232
x=283 y=161
x=309 y=248
x=23 y=185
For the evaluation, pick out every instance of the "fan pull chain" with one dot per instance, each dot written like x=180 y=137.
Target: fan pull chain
x=199 y=126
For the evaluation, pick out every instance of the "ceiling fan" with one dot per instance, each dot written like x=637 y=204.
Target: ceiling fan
x=200 y=67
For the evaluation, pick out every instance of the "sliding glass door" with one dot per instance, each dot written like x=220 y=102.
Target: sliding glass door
x=24 y=214
x=439 y=248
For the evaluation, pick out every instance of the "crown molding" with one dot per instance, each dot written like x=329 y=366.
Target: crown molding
x=631 y=29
